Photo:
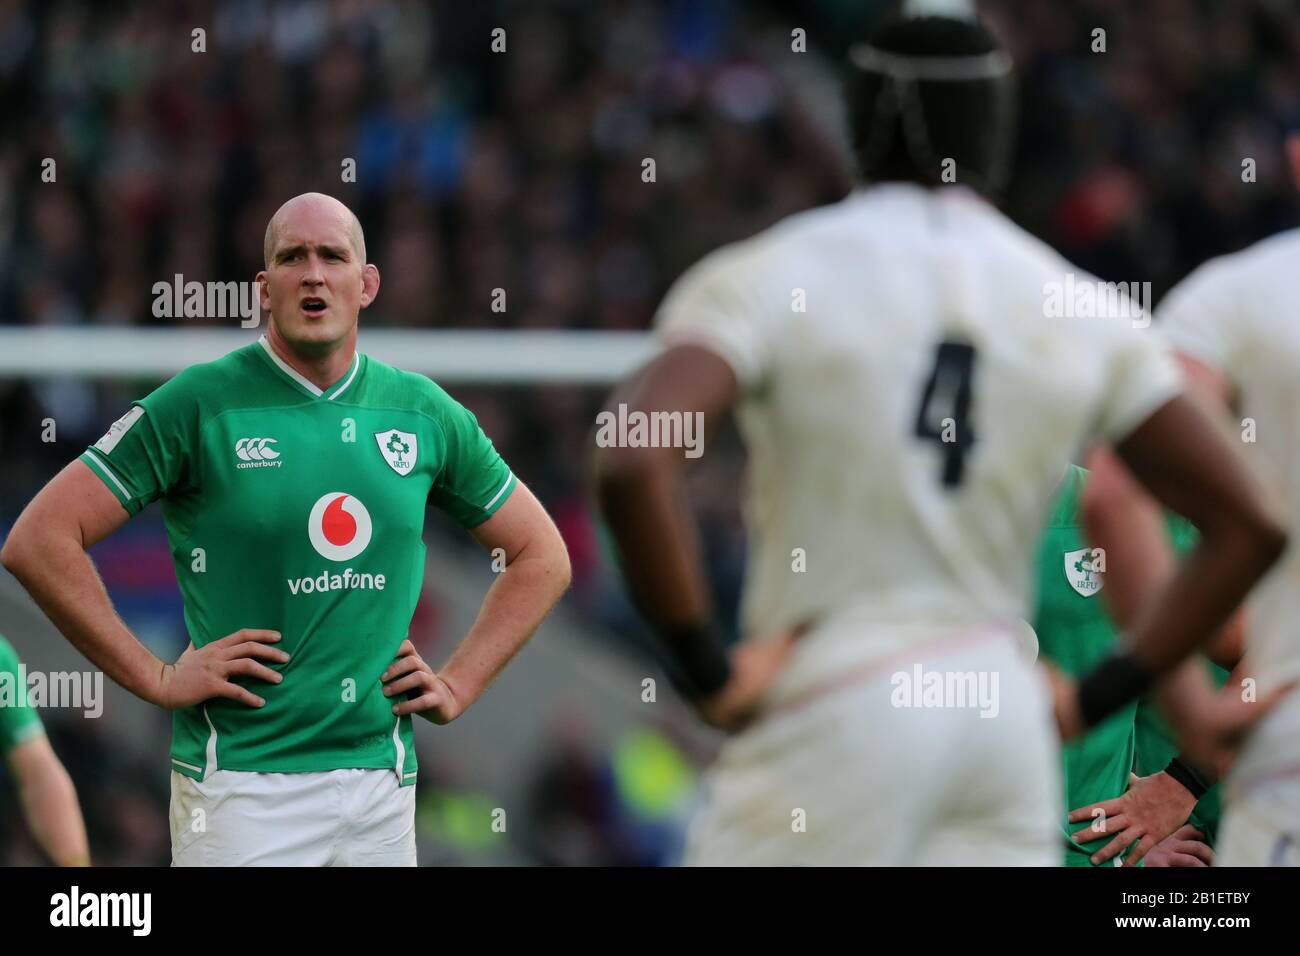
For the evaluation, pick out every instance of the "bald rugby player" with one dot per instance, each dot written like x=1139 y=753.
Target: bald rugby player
x=293 y=475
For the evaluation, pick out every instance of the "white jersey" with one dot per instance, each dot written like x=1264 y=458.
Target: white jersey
x=1236 y=314
x=866 y=497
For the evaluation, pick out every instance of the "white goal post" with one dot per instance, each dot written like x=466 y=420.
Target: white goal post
x=500 y=357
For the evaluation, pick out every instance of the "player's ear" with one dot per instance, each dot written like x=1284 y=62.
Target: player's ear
x=369 y=283
x=263 y=291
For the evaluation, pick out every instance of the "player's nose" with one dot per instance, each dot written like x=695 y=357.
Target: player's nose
x=314 y=273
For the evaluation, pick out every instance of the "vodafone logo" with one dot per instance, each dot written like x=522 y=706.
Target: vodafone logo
x=339 y=526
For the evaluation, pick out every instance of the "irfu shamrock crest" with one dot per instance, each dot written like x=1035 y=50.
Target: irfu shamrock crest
x=399 y=449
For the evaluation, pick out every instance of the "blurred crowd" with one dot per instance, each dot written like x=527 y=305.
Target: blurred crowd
x=521 y=169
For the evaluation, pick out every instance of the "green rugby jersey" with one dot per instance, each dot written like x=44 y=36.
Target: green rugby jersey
x=19 y=722
x=301 y=511
x=1075 y=633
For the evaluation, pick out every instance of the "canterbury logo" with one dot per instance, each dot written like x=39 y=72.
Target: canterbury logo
x=257 y=452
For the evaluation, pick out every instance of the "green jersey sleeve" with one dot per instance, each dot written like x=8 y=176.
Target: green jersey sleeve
x=18 y=720
x=474 y=481
x=148 y=453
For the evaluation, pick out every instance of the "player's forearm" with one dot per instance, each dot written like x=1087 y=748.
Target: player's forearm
x=62 y=580
x=1188 y=464
x=514 y=607
x=658 y=543
x=1229 y=645
x=1202 y=597
x=1128 y=526
x=1182 y=697
x=1123 y=521
x=50 y=807
x=1188 y=689
x=640 y=493
x=660 y=551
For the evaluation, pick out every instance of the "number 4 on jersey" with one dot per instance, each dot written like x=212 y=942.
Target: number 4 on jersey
x=943 y=415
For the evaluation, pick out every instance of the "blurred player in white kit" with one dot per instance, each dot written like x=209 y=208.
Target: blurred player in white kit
x=1232 y=322
x=908 y=411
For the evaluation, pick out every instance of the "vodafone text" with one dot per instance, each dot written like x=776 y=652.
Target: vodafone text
x=349 y=580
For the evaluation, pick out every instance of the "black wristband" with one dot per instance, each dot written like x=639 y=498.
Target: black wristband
x=1196 y=784
x=1109 y=686
x=699 y=665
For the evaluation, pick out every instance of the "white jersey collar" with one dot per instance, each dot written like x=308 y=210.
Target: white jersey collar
x=333 y=392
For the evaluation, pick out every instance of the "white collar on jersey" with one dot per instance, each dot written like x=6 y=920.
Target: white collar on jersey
x=289 y=370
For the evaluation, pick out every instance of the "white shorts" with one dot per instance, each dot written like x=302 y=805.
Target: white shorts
x=1261 y=817
x=330 y=818
x=1262 y=828
x=867 y=773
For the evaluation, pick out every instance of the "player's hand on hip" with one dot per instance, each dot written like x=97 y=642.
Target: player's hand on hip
x=1152 y=809
x=206 y=672
x=754 y=666
x=433 y=699
x=1186 y=847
